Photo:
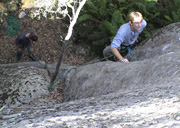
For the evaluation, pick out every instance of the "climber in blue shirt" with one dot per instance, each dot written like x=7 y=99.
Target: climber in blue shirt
x=126 y=36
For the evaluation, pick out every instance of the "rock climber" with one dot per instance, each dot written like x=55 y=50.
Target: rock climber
x=126 y=37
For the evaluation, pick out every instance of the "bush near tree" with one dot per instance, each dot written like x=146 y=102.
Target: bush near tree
x=100 y=19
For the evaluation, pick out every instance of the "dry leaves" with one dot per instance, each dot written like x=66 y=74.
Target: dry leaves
x=46 y=49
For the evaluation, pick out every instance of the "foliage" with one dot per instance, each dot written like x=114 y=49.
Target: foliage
x=100 y=19
x=7 y=6
x=170 y=11
x=52 y=9
x=13 y=26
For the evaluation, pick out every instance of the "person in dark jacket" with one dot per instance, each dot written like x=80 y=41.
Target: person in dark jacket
x=23 y=42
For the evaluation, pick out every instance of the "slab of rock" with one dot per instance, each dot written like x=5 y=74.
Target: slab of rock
x=21 y=85
x=140 y=94
x=163 y=41
x=161 y=61
x=141 y=108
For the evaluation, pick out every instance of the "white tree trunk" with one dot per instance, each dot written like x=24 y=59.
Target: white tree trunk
x=72 y=23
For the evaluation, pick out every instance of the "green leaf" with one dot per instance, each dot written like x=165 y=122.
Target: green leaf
x=168 y=18
x=84 y=17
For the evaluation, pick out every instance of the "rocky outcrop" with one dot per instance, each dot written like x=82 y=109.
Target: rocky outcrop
x=21 y=85
x=158 y=61
x=164 y=41
x=143 y=93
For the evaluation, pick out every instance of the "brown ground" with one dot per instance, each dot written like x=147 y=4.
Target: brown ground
x=47 y=48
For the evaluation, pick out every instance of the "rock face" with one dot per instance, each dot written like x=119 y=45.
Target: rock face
x=140 y=94
x=158 y=63
x=21 y=85
x=164 y=41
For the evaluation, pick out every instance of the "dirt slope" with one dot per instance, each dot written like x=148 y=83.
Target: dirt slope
x=47 y=48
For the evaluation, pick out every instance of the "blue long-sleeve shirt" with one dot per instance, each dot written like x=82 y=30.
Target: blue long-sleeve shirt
x=126 y=36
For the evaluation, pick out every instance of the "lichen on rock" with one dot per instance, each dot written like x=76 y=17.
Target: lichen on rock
x=20 y=85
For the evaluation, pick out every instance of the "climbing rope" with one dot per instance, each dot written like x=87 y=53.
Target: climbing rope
x=62 y=76
x=68 y=70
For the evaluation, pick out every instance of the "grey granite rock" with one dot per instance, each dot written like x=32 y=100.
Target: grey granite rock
x=21 y=85
x=140 y=94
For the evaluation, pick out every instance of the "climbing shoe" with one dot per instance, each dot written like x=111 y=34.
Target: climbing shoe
x=18 y=56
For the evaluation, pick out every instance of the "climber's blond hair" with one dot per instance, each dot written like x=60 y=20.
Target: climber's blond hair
x=132 y=15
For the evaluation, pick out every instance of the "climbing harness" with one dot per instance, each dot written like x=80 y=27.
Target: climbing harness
x=127 y=49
